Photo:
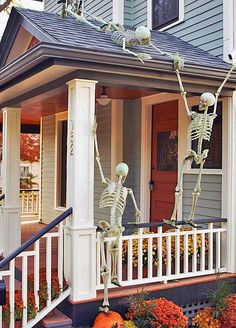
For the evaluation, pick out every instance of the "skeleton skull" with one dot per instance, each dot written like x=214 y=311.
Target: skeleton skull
x=143 y=34
x=122 y=170
x=207 y=99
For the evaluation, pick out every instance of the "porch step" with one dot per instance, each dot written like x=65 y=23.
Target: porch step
x=56 y=319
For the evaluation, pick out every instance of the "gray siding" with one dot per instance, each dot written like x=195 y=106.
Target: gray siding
x=100 y=8
x=209 y=202
x=128 y=12
x=140 y=13
x=104 y=143
x=52 y=6
x=132 y=152
x=48 y=213
x=202 y=26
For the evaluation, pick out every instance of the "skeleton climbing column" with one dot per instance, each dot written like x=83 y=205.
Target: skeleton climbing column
x=80 y=236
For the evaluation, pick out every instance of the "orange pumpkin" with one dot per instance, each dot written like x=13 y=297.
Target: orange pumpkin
x=109 y=320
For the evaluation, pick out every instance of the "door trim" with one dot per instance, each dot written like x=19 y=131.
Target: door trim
x=146 y=146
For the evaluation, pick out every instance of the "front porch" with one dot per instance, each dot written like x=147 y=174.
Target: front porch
x=58 y=86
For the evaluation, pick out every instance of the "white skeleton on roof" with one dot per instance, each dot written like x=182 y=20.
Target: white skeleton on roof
x=114 y=197
x=200 y=129
x=124 y=38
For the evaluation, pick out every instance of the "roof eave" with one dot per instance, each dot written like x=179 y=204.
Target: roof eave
x=87 y=59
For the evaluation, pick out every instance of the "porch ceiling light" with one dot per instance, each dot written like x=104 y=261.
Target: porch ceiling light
x=104 y=100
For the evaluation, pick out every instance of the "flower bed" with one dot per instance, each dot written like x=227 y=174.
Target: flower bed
x=135 y=247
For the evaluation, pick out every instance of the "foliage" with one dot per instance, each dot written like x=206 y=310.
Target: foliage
x=56 y=288
x=19 y=306
x=140 y=311
x=159 y=313
x=135 y=244
x=29 y=147
x=181 y=241
x=218 y=297
x=144 y=250
x=27 y=182
x=205 y=319
x=228 y=318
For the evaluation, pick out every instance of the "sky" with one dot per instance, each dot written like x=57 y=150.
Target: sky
x=24 y=3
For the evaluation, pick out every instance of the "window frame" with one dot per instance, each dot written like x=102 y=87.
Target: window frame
x=60 y=117
x=150 y=16
x=213 y=171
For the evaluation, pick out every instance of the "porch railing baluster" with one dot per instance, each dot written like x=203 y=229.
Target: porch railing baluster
x=177 y=252
x=160 y=258
x=24 y=289
x=210 y=241
x=12 y=294
x=191 y=248
x=36 y=272
x=49 y=267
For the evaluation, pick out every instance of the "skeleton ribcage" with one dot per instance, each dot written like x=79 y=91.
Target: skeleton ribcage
x=200 y=126
x=130 y=38
x=114 y=196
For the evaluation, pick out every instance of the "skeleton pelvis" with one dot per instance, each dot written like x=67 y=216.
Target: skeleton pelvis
x=198 y=158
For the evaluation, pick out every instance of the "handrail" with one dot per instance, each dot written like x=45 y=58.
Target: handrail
x=2 y=197
x=161 y=223
x=36 y=237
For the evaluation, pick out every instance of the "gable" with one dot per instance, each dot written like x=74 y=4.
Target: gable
x=24 y=40
x=19 y=36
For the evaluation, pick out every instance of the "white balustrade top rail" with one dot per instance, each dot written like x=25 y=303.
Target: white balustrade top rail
x=148 y=257
x=27 y=261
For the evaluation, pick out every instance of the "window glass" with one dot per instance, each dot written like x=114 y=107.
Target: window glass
x=167 y=151
x=164 y=12
x=214 y=159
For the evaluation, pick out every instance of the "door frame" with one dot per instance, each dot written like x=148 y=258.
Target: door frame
x=146 y=145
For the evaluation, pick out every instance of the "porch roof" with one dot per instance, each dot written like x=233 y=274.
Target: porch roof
x=68 y=31
x=69 y=49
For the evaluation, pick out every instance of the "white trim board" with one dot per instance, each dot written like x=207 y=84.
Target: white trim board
x=118 y=11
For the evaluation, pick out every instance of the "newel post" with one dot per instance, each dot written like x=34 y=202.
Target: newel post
x=80 y=234
x=10 y=215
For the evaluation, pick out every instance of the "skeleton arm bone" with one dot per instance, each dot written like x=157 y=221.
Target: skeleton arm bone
x=81 y=19
x=130 y=52
x=137 y=211
x=104 y=180
x=183 y=93
x=222 y=85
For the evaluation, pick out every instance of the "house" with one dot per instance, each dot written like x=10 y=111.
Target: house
x=52 y=71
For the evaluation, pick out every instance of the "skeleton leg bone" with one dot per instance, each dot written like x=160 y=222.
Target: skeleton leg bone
x=130 y=52
x=105 y=276
x=196 y=194
x=178 y=193
x=114 y=254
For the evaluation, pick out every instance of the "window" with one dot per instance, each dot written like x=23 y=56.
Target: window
x=61 y=163
x=166 y=12
x=214 y=159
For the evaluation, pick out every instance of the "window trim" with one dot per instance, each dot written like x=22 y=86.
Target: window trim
x=59 y=117
x=149 y=16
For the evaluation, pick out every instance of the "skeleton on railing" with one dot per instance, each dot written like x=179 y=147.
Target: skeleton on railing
x=124 y=38
x=200 y=129
x=114 y=197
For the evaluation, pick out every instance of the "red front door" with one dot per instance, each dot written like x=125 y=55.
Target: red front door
x=164 y=160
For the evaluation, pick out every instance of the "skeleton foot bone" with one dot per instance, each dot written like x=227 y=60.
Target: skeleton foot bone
x=171 y=223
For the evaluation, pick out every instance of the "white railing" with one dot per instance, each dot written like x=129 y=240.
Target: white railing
x=29 y=200
x=147 y=257
x=42 y=259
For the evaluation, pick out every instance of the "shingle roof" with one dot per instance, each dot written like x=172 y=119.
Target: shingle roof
x=69 y=31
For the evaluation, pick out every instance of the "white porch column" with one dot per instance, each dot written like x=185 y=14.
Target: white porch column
x=230 y=170
x=11 y=215
x=80 y=258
